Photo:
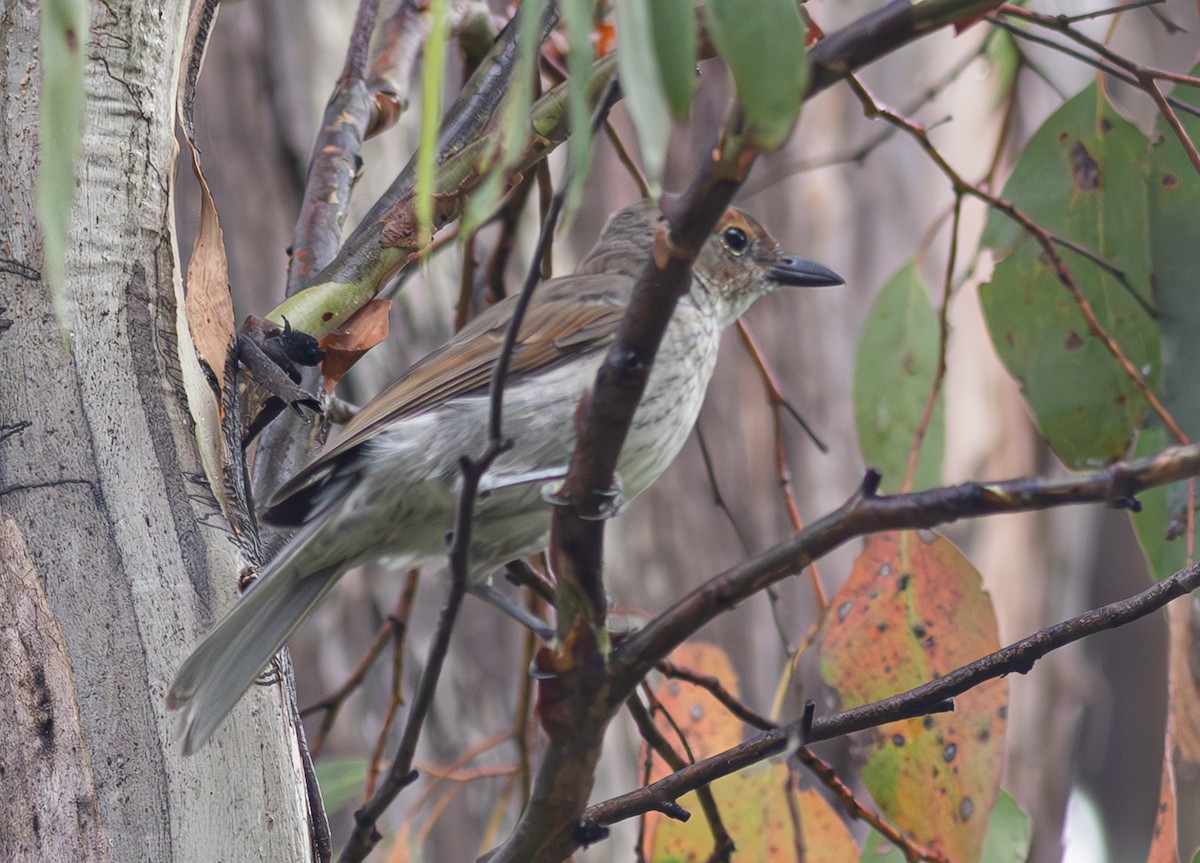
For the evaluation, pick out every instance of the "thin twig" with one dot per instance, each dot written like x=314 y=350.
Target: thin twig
x=782 y=471
x=717 y=498
x=939 y=373
x=825 y=773
x=656 y=741
x=395 y=622
x=717 y=690
x=867 y=512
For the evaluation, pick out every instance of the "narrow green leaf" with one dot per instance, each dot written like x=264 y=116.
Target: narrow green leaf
x=577 y=16
x=674 y=26
x=894 y=369
x=1004 y=55
x=641 y=83
x=762 y=42
x=64 y=34
x=433 y=82
x=341 y=781
x=1082 y=176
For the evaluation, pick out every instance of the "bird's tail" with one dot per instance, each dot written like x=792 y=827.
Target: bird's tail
x=218 y=672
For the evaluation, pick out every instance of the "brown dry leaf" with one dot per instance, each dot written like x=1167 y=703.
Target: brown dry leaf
x=208 y=304
x=1177 y=838
x=364 y=330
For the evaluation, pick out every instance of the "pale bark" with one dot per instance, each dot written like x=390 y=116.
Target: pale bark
x=125 y=560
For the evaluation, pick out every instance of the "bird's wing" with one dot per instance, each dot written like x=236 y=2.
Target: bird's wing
x=567 y=316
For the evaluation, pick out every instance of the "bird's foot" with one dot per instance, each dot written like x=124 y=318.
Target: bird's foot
x=597 y=505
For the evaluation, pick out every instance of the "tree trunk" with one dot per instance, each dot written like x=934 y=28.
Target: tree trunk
x=113 y=558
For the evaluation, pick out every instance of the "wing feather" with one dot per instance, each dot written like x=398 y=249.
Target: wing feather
x=567 y=316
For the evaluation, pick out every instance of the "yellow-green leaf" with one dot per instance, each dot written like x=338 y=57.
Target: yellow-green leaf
x=674 y=26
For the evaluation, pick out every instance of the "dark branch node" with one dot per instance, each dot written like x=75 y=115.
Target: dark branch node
x=806 y=721
x=589 y=833
x=1130 y=503
x=672 y=809
x=870 y=482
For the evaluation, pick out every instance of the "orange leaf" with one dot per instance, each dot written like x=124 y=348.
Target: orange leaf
x=912 y=609
x=364 y=330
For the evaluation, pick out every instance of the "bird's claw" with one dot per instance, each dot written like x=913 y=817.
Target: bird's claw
x=596 y=505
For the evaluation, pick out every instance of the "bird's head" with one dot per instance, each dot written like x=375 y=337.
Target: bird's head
x=741 y=262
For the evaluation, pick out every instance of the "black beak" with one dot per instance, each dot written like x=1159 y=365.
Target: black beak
x=803 y=273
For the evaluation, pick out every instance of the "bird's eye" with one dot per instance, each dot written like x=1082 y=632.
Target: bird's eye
x=735 y=240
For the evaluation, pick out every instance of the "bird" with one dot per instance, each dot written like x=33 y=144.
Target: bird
x=387 y=489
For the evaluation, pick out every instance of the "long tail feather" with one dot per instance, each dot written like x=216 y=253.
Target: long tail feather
x=218 y=672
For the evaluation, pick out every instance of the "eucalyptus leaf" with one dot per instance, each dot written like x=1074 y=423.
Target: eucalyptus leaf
x=433 y=82
x=894 y=369
x=762 y=42
x=1083 y=177
x=674 y=26
x=577 y=16
x=642 y=86
x=64 y=35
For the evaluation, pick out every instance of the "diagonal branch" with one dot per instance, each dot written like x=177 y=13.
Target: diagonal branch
x=1016 y=658
x=866 y=512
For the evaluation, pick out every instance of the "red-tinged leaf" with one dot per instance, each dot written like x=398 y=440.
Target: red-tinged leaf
x=365 y=329
x=912 y=609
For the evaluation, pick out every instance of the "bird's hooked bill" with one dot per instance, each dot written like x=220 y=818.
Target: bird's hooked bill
x=801 y=272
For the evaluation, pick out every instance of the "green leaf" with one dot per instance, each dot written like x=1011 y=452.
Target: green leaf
x=433 y=81
x=894 y=370
x=1008 y=834
x=1004 y=55
x=674 y=27
x=762 y=42
x=64 y=35
x=1161 y=525
x=645 y=97
x=514 y=123
x=341 y=781
x=1082 y=176
x=1173 y=197
x=577 y=17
